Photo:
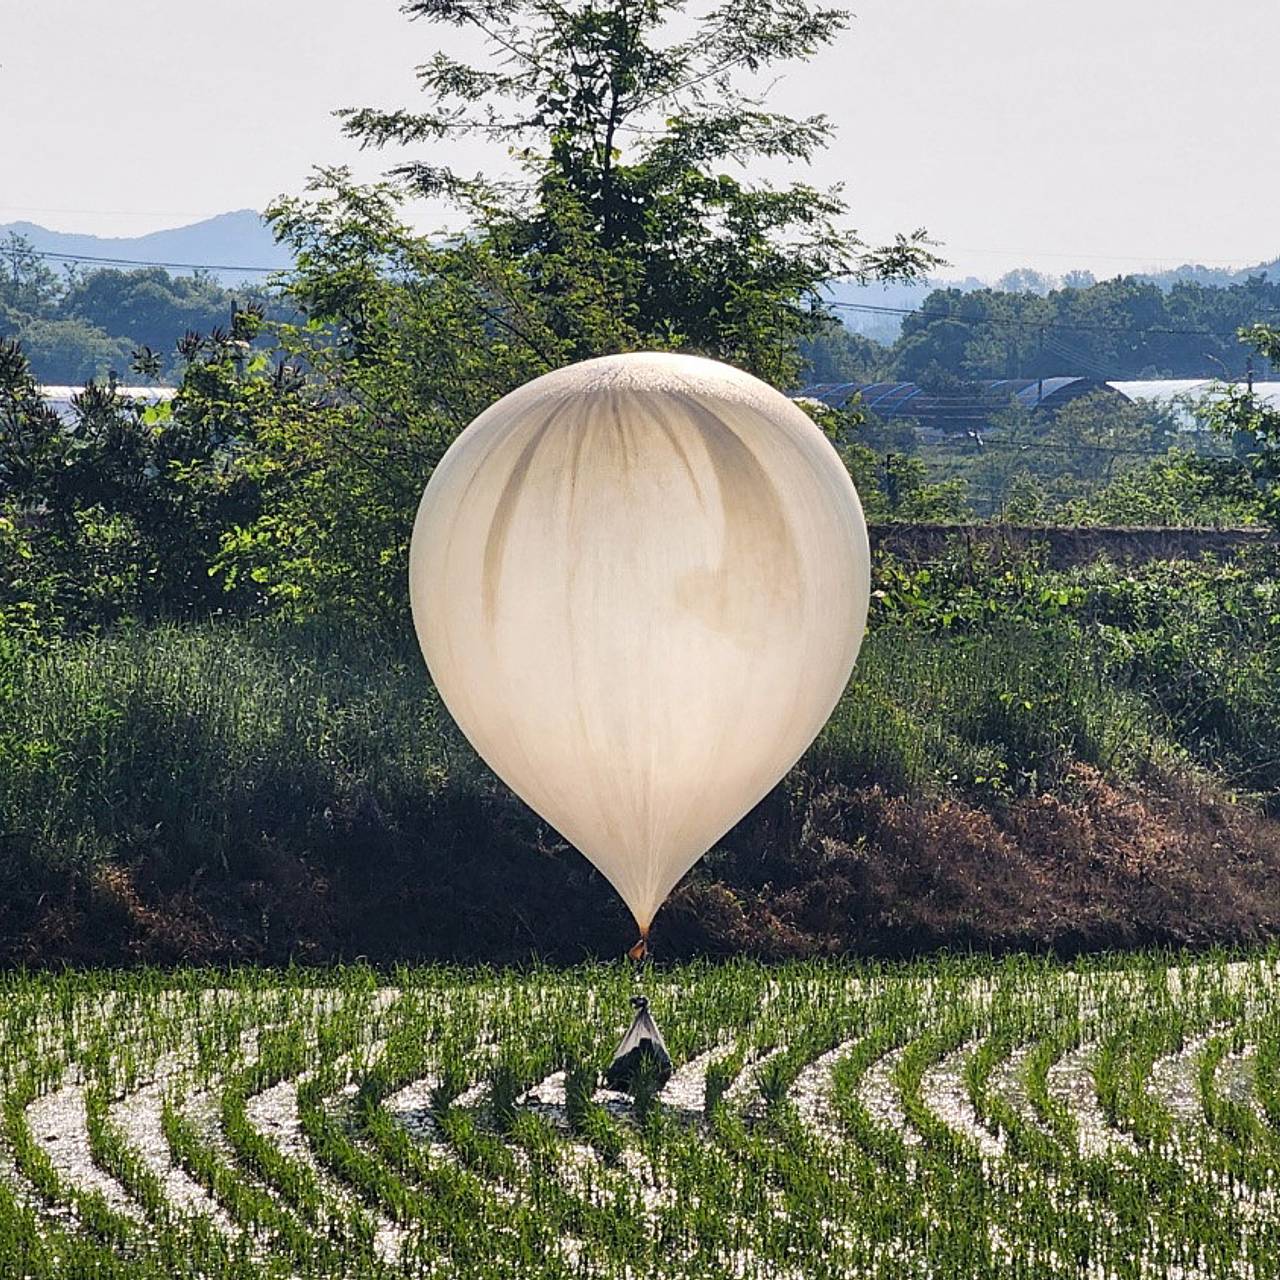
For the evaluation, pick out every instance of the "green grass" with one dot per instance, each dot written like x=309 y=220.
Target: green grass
x=996 y=713
x=207 y=739
x=205 y=743
x=464 y=1175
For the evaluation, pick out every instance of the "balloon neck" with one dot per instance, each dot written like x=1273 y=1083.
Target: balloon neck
x=641 y=950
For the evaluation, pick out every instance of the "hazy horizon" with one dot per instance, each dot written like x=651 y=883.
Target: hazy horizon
x=1074 y=136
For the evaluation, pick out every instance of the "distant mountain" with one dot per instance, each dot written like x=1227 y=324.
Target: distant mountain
x=229 y=242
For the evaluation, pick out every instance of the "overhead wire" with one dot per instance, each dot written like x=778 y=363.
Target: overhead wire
x=50 y=254
x=975 y=449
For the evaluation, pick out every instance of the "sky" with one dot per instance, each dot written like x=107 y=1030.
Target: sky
x=1109 y=135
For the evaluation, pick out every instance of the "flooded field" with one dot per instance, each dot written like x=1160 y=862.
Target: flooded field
x=1118 y=1118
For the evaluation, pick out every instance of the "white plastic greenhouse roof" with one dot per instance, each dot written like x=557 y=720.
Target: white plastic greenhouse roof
x=1179 y=391
x=59 y=398
x=131 y=393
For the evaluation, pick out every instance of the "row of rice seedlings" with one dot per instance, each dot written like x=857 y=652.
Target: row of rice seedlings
x=813 y=1166
x=909 y=1073
x=1236 y=1143
x=883 y=1228
x=1152 y=1182
x=182 y=1243
x=282 y=1056
x=1089 y=1230
x=1123 y=1186
x=105 y=1241
x=965 y=1215
x=1043 y=1215
x=1158 y=1182
x=98 y=1229
x=1017 y=1019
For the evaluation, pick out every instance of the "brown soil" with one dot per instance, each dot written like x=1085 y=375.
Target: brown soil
x=816 y=869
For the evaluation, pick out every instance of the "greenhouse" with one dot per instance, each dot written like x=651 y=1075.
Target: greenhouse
x=962 y=407
x=968 y=406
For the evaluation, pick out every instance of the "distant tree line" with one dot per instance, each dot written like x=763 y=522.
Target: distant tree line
x=84 y=324
x=1122 y=329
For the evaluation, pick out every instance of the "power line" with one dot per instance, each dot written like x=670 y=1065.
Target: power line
x=138 y=262
x=967 y=447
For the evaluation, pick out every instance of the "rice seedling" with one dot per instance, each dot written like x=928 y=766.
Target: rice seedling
x=1108 y=1118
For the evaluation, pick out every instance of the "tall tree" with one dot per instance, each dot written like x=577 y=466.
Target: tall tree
x=27 y=284
x=629 y=223
x=633 y=143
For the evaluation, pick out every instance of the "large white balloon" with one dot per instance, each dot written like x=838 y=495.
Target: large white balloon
x=640 y=584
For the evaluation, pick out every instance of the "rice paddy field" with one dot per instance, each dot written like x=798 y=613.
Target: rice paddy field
x=1116 y=1118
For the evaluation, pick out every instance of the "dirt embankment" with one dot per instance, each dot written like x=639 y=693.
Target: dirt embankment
x=815 y=870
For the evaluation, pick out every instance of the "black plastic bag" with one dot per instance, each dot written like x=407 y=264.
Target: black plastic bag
x=642 y=1052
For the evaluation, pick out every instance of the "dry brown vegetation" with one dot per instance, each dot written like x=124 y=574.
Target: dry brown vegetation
x=816 y=869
